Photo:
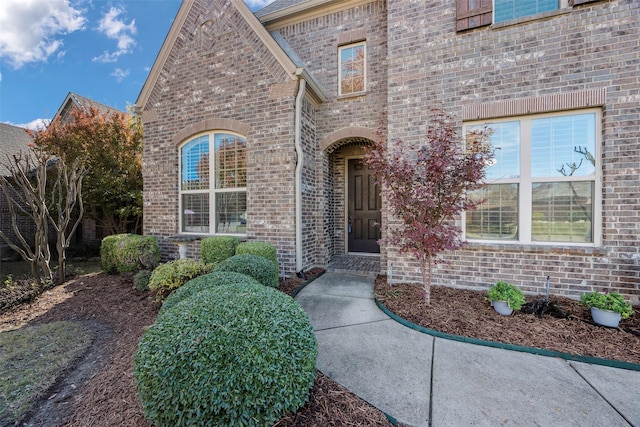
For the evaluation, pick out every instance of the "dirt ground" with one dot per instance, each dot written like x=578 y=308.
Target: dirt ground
x=100 y=390
x=469 y=313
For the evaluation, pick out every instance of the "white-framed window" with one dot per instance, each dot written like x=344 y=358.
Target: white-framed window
x=544 y=185
x=352 y=68
x=505 y=10
x=218 y=205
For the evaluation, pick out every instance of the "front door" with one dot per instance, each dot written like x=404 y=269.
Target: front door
x=363 y=209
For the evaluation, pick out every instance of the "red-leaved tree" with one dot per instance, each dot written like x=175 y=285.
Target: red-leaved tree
x=426 y=185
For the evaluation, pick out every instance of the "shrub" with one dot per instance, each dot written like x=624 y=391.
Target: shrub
x=503 y=291
x=141 y=280
x=262 y=249
x=233 y=356
x=173 y=274
x=254 y=266
x=215 y=249
x=612 y=301
x=207 y=281
x=127 y=253
x=107 y=253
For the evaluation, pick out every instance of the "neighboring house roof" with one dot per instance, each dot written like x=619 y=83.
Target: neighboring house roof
x=276 y=50
x=13 y=139
x=73 y=100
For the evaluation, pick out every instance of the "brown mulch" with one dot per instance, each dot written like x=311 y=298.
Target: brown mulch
x=469 y=313
x=100 y=390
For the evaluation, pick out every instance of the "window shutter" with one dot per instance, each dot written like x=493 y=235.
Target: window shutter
x=474 y=13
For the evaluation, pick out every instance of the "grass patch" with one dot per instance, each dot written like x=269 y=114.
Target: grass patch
x=32 y=359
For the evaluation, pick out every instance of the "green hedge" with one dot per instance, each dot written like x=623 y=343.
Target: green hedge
x=207 y=281
x=126 y=253
x=173 y=274
x=262 y=249
x=215 y=249
x=232 y=356
x=254 y=266
x=107 y=253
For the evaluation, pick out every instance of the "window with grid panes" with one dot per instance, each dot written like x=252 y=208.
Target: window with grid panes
x=213 y=171
x=352 y=69
x=543 y=185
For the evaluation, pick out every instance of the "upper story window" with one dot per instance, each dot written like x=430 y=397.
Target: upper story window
x=352 y=66
x=213 y=188
x=505 y=10
x=543 y=186
x=478 y=13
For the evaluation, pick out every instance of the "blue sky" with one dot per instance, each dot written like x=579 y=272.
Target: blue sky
x=99 y=49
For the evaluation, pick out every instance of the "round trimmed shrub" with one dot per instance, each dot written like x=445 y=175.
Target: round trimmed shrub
x=173 y=274
x=218 y=248
x=263 y=249
x=201 y=283
x=254 y=266
x=232 y=356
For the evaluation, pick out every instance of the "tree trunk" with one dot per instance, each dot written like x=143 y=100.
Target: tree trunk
x=426 y=278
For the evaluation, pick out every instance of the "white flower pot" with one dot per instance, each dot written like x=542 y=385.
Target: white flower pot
x=605 y=317
x=502 y=307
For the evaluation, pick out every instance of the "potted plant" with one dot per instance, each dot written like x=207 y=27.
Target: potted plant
x=505 y=298
x=607 y=308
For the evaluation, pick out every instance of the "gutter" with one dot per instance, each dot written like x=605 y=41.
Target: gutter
x=302 y=89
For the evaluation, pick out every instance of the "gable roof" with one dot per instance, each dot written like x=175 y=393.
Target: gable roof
x=74 y=100
x=278 y=5
x=279 y=54
x=13 y=139
x=285 y=12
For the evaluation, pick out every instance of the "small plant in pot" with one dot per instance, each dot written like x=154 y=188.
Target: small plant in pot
x=607 y=309
x=506 y=298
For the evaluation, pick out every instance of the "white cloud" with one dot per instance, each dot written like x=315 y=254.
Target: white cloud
x=32 y=29
x=120 y=74
x=115 y=28
x=37 y=124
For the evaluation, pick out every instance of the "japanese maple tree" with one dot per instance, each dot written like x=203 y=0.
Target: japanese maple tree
x=426 y=186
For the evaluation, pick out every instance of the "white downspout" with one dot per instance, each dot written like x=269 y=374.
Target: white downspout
x=299 y=164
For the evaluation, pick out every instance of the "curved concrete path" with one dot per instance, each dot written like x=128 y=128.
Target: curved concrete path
x=424 y=381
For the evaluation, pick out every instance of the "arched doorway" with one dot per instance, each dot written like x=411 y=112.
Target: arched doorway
x=353 y=203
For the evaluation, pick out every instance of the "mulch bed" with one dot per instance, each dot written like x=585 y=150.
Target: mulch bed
x=100 y=391
x=469 y=313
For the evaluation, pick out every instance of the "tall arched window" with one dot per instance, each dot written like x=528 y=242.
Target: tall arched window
x=218 y=205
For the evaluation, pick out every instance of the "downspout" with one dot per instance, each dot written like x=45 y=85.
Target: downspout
x=302 y=87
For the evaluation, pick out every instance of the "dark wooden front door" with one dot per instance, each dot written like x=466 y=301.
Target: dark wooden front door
x=363 y=209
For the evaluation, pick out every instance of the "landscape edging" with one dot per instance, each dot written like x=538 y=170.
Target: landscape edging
x=531 y=350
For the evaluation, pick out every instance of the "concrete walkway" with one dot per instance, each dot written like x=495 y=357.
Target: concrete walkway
x=424 y=381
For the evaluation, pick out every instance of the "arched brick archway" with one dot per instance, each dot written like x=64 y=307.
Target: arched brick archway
x=341 y=151
x=329 y=142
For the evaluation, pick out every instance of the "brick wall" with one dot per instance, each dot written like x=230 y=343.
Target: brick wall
x=316 y=42
x=223 y=79
x=595 y=46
